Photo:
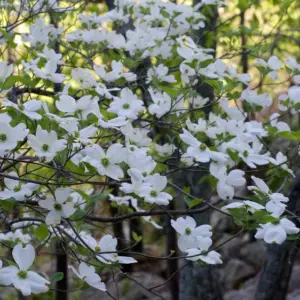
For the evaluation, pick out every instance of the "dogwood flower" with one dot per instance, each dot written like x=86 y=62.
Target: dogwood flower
x=199 y=150
x=108 y=244
x=189 y=232
x=276 y=233
x=46 y=144
x=28 y=108
x=106 y=163
x=59 y=206
x=162 y=103
x=10 y=136
x=88 y=274
x=128 y=105
x=280 y=160
x=151 y=190
x=279 y=125
x=160 y=73
x=227 y=182
x=211 y=258
x=27 y=282
x=14 y=188
x=273 y=63
x=250 y=206
x=83 y=107
x=115 y=73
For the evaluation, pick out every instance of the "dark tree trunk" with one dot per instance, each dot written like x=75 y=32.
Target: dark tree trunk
x=61 y=266
x=276 y=272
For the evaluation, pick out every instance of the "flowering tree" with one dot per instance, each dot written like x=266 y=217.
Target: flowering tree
x=108 y=106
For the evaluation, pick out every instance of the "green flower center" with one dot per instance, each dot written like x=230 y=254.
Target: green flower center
x=153 y=193
x=57 y=206
x=245 y=153
x=3 y=137
x=203 y=147
x=45 y=147
x=22 y=274
x=97 y=249
x=105 y=161
x=126 y=106
x=17 y=188
x=188 y=231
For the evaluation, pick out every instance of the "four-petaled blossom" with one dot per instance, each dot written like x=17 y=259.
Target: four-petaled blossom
x=200 y=151
x=59 y=206
x=128 y=105
x=106 y=163
x=151 y=190
x=276 y=233
x=87 y=273
x=10 y=136
x=14 y=188
x=27 y=282
x=46 y=144
x=108 y=246
x=189 y=232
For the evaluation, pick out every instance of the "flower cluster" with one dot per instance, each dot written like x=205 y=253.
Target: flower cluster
x=114 y=108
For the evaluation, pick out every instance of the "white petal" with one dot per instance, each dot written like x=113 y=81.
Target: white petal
x=24 y=257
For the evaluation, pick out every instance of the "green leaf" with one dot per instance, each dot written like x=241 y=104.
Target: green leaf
x=8 y=204
x=136 y=237
x=41 y=232
x=292 y=136
x=58 y=276
x=193 y=202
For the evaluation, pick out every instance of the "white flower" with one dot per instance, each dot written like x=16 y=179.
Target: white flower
x=165 y=149
x=273 y=64
x=186 y=72
x=28 y=108
x=87 y=273
x=195 y=128
x=227 y=182
x=162 y=103
x=263 y=100
x=199 y=150
x=211 y=258
x=115 y=73
x=83 y=107
x=106 y=163
x=138 y=136
x=137 y=179
x=276 y=233
x=23 y=280
x=84 y=77
x=109 y=244
x=160 y=73
x=5 y=70
x=17 y=237
x=86 y=133
x=121 y=200
x=151 y=190
x=189 y=233
x=280 y=161
x=10 y=136
x=280 y=126
x=46 y=144
x=261 y=186
x=59 y=207
x=250 y=205
x=128 y=105
x=14 y=189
